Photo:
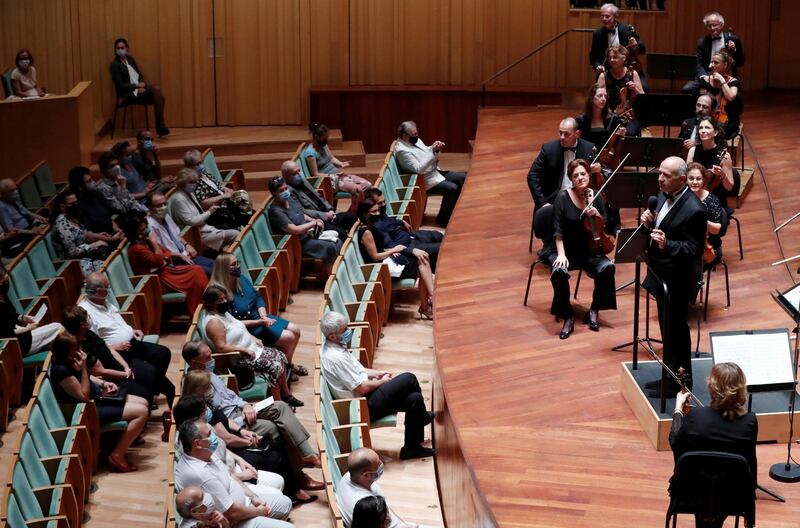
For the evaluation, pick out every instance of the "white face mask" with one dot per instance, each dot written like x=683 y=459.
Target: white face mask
x=210 y=507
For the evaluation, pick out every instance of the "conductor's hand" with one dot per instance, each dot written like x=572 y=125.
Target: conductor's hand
x=659 y=238
x=561 y=262
x=647 y=217
x=680 y=400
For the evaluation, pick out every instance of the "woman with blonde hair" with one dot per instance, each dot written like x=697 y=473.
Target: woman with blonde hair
x=247 y=305
x=724 y=425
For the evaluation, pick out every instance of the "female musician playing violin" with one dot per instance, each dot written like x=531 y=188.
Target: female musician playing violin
x=622 y=83
x=598 y=122
x=711 y=153
x=575 y=249
x=695 y=178
x=727 y=90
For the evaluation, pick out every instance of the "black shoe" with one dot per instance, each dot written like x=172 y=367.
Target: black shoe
x=430 y=416
x=566 y=330
x=419 y=451
x=162 y=131
x=591 y=320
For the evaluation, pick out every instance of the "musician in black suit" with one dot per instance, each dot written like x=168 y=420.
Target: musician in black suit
x=613 y=33
x=677 y=241
x=715 y=40
x=130 y=86
x=704 y=107
x=724 y=425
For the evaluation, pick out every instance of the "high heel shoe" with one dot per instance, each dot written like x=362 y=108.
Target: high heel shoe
x=117 y=466
x=591 y=319
x=427 y=314
x=566 y=330
x=166 y=421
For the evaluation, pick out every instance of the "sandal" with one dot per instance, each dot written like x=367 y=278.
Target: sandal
x=300 y=370
x=291 y=401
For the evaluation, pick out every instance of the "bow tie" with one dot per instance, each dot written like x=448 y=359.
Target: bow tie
x=671 y=196
x=569 y=149
x=717 y=38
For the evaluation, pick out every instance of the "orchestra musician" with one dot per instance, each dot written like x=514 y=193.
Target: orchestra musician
x=704 y=107
x=714 y=41
x=711 y=153
x=725 y=425
x=696 y=179
x=678 y=230
x=612 y=33
x=574 y=250
x=622 y=85
x=598 y=122
x=728 y=92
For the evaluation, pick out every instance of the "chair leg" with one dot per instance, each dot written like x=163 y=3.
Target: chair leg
x=708 y=289
x=739 y=234
x=578 y=284
x=530 y=242
x=530 y=278
x=727 y=285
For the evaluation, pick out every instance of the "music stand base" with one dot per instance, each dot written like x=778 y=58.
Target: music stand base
x=784 y=472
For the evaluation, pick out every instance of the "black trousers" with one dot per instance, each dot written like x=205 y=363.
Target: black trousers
x=429 y=241
x=675 y=334
x=159 y=357
x=401 y=394
x=599 y=267
x=275 y=459
x=450 y=189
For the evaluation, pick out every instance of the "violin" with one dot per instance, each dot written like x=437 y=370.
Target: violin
x=600 y=242
x=715 y=180
x=708 y=252
x=682 y=380
x=633 y=55
x=610 y=155
x=626 y=96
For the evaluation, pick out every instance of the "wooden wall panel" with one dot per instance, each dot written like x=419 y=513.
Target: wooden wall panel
x=329 y=42
x=784 y=55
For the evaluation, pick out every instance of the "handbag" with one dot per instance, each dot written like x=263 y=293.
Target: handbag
x=245 y=375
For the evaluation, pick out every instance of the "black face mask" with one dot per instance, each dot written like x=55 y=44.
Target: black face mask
x=72 y=210
x=413 y=140
x=382 y=209
x=5 y=287
x=374 y=218
x=236 y=271
x=222 y=307
x=322 y=142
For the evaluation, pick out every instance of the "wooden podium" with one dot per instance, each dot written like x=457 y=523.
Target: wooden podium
x=56 y=128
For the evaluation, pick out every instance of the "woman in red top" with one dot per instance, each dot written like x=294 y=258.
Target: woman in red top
x=147 y=256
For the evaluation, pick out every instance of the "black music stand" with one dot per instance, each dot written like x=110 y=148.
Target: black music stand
x=631 y=189
x=649 y=152
x=666 y=110
x=671 y=66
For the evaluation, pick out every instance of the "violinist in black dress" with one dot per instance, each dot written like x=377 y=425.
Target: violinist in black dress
x=711 y=152
x=574 y=251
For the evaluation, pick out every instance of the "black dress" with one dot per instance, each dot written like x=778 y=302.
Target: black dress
x=108 y=409
x=715 y=214
x=569 y=227
x=597 y=135
x=709 y=158
x=613 y=87
x=145 y=376
x=411 y=268
x=9 y=319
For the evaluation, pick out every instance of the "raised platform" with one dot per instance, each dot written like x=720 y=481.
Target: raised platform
x=770 y=407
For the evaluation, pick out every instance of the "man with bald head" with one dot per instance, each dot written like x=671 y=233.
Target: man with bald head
x=364 y=469
x=314 y=204
x=678 y=230
x=198 y=510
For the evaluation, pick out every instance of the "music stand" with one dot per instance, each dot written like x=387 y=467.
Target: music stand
x=662 y=109
x=631 y=189
x=649 y=152
x=671 y=66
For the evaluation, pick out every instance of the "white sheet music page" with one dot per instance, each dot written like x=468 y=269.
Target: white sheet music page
x=765 y=358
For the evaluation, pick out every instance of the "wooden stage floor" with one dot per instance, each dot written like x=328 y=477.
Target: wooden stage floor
x=541 y=422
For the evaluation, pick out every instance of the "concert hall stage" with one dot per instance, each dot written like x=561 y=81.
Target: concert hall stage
x=536 y=430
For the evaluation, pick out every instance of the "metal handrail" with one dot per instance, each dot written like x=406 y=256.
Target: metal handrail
x=533 y=52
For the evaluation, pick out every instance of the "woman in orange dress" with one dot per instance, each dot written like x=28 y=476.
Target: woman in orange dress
x=148 y=257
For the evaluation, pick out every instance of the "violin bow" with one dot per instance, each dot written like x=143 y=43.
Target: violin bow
x=600 y=190
x=789 y=221
x=597 y=156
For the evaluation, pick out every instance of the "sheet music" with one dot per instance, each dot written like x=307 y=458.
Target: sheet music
x=40 y=313
x=793 y=297
x=263 y=404
x=765 y=358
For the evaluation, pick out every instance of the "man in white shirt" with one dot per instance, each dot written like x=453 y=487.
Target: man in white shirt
x=364 y=469
x=106 y=321
x=385 y=393
x=198 y=510
x=200 y=467
x=169 y=236
x=415 y=157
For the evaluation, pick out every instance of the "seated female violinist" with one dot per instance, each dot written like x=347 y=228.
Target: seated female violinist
x=712 y=154
x=623 y=85
x=598 y=122
x=727 y=90
x=695 y=178
x=575 y=249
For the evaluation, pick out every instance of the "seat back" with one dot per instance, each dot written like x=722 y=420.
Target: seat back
x=50 y=408
x=263 y=233
x=15 y=517
x=301 y=160
x=210 y=163
x=31 y=462
x=40 y=434
x=40 y=262
x=23 y=280
x=28 y=193
x=345 y=286
x=351 y=264
x=50 y=245
x=118 y=276
x=43 y=177
x=249 y=249
x=26 y=501
x=711 y=484
x=8 y=88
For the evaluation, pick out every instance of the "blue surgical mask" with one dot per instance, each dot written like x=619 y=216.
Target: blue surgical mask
x=121 y=52
x=190 y=187
x=378 y=473
x=200 y=168
x=213 y=442
x=285 y=195
x=209 y=414
x=211 y=364
x=147 y=144
x=346 y=336
x=146 y=232
x=297 y=179
x=24 y=62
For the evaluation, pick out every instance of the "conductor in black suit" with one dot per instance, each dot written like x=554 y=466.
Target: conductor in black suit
x=715 y=40
x=548 y=173
x=613 y=33
x=677 y=239
x=130 y=86
x=724 y=425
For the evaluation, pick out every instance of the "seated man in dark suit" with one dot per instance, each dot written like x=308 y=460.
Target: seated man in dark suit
x=131 y=88
x=613 y=33
x=314 y=204
x=704 y=107
x=548 y=174
x=715 y=40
